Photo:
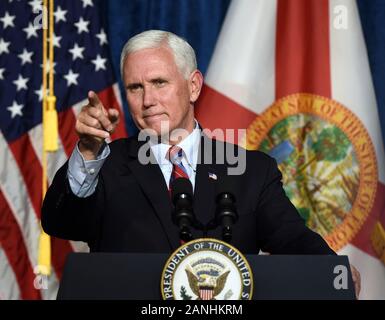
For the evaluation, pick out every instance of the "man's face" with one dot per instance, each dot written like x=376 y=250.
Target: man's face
x=157 y=91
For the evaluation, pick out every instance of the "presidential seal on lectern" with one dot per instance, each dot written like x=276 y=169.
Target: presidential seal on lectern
x=207 y=269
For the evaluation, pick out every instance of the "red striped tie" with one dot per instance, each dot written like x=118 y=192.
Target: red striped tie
x=175 y=156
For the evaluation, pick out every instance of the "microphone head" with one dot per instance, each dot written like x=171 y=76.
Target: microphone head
x=181 y=186
x=226 y=211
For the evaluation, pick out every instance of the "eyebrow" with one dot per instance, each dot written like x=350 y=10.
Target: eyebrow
x=158 y=79
x=138 y=84
x=133 y=85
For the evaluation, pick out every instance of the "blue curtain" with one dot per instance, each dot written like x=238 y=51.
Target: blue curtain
x=372 y=15
x=198 y=21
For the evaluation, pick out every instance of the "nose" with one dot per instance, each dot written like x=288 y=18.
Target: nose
x=148 y=97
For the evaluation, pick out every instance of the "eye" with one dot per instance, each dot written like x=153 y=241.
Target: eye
x=134 y=87
x=159 y=83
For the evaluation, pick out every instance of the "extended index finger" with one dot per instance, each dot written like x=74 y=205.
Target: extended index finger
x=93 y=100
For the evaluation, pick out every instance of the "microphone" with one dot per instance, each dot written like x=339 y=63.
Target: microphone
x=182 y=198
x=226 y=212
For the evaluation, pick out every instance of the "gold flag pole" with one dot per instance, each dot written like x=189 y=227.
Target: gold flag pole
x=50 y=125
x=51 y=119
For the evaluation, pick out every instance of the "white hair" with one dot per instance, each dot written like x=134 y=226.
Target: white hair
x=184 y=54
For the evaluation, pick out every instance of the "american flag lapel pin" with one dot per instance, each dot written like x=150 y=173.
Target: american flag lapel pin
x=213 y=176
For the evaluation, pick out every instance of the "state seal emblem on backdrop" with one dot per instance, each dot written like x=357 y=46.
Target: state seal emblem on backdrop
x=207 y=269
x=327 y=161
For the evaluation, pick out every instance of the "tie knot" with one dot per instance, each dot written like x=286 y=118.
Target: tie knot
x=175 y=154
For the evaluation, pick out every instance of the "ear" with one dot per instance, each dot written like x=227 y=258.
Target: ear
x=195 y=85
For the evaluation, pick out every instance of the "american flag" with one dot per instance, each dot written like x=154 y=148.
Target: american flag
x=81 y=64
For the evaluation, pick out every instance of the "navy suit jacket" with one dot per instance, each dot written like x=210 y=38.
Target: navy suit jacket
x=130 y=211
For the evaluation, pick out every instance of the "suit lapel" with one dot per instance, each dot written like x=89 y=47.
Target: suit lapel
x=205 y=182
x=151 y=180
x=204 y=195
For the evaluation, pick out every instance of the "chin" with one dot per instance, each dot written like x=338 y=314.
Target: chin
x=161 y=127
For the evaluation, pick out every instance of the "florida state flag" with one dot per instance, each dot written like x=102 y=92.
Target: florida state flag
x=295 y=74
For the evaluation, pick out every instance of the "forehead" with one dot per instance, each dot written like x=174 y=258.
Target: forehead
x=150 y=61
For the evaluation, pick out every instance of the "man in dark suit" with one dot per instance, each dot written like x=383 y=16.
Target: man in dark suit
x=105 y=195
